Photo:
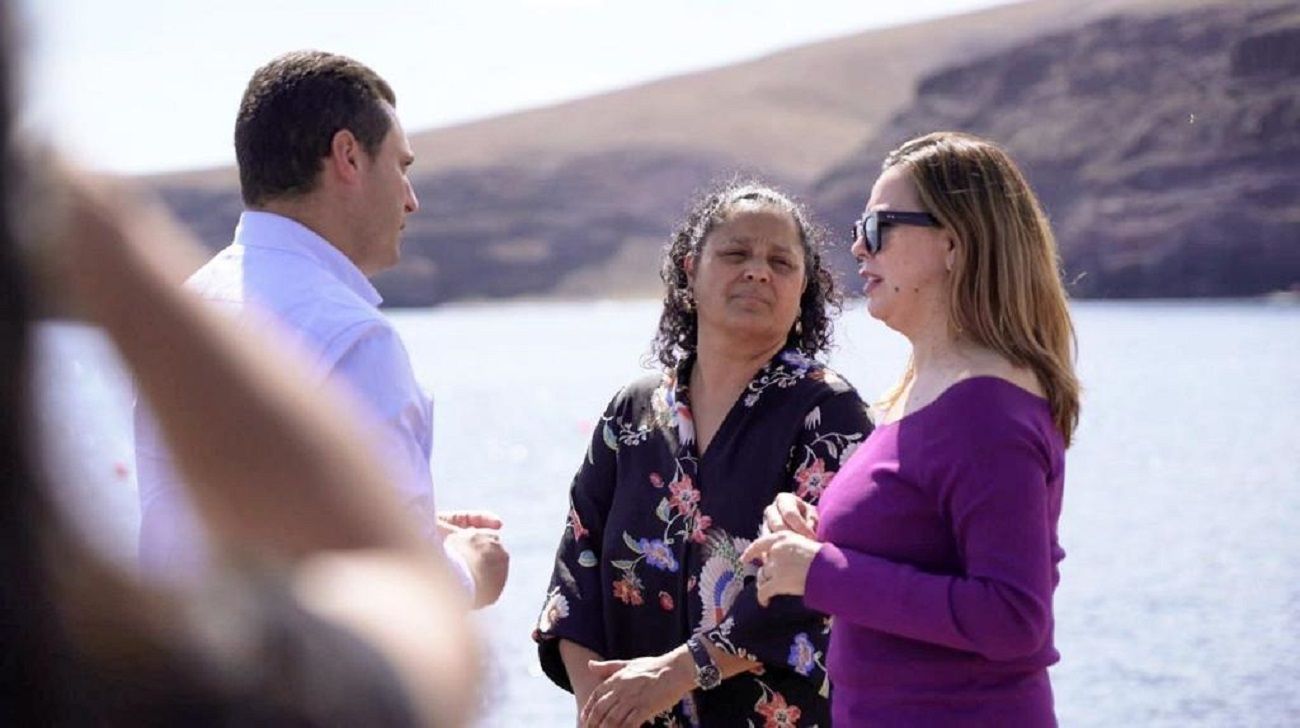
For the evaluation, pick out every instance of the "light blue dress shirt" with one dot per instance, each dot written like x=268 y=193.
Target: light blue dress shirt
x=288 y=278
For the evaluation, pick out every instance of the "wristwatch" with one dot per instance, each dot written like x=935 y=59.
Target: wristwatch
x=707 y=676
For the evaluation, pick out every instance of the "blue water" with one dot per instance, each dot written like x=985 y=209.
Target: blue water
x=1180 y=596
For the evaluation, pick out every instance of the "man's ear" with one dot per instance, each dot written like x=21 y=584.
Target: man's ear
x=345 y=156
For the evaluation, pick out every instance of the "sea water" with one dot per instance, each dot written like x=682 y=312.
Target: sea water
x=1179 y=602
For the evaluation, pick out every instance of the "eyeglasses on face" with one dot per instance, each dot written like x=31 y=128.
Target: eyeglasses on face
x=868 y=229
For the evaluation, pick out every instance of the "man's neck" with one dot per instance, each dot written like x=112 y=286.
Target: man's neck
x=318 y=217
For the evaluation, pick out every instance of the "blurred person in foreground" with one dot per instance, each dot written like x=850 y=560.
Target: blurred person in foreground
x=935 y=550
x=323 y=167
x=649 y=614
x=326 y=609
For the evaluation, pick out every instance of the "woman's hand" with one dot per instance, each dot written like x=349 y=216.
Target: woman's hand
x=634 y=691
x=785 y=557
x=789 y=512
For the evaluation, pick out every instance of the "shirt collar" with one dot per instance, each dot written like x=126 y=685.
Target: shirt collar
x=269 y=231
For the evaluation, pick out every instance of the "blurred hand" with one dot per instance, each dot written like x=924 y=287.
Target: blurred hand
x=789 y=512
x=486 y=557
x=785 y=558
x=634 y=691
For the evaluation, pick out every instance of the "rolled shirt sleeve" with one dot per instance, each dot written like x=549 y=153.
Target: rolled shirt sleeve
x=371 y=364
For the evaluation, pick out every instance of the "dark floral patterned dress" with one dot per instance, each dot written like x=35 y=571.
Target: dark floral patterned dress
x=651 y=551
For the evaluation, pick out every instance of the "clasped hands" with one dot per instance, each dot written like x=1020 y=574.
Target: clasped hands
x=785 y=548
x=631 y=692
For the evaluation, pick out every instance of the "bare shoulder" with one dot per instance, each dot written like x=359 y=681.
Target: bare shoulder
x=1000 y=368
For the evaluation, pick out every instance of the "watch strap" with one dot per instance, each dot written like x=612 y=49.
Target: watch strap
x=707 y=675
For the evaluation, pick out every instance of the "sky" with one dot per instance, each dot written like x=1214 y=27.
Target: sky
x=136 y=86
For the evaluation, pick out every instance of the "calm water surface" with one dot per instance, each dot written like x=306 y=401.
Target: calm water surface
x=1180 y=596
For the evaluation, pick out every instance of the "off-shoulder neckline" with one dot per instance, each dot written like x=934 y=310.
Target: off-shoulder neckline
x=963 y=383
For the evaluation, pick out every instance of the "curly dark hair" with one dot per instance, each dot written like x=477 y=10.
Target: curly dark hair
x=676 y=339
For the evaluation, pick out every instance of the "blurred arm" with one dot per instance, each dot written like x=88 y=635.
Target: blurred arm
x=275 y=468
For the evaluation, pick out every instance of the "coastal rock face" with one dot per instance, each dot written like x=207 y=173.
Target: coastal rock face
x=1163 y=136
x=1166 y=149
x=592 y=227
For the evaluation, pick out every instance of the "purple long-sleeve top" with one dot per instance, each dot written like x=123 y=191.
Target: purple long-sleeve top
x=939 y=562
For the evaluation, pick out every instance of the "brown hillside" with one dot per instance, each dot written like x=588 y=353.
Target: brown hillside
x=793 y=113
x=575 y=199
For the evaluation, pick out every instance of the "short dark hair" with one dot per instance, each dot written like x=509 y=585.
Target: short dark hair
x=290 y=112
x=678 y=333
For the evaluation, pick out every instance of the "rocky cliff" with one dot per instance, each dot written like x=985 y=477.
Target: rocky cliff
x=1162 y=135
x=1166 y=149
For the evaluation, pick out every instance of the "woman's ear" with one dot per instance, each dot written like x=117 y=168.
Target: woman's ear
x=688 y=267
x=951 y=258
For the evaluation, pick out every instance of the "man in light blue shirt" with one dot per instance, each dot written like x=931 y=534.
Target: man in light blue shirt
x=323 y=167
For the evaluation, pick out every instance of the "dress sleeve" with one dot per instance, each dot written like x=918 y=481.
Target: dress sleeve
x=786 y=633
x=1001 y=607
x=574 y=599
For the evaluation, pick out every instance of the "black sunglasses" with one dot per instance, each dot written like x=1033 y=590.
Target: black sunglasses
x=868 y=228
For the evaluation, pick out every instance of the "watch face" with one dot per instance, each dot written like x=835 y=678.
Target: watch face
x=709 y=677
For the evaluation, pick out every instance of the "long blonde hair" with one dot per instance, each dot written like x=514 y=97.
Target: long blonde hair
x=1005 y=290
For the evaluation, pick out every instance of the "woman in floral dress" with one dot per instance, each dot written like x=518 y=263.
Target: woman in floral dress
x=648 y=596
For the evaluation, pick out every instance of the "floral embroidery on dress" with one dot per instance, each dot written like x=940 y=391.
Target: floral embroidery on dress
x=811 y=475
x=812 y=480
x=804 y=655
x=720 y=636
x=575 y=524
x=628 y=589
x=657 y=536
x=722 y=578
x=776 y=712
x=679 y=512
x=556 y=608
x=657 y=554
x=793 y=367
x=690 y=710
x=671 y=411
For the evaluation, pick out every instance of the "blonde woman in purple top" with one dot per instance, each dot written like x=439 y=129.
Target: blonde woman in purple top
x=935 y=549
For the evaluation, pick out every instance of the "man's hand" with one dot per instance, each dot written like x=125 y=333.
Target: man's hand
x=789 y=512
x=449 y=521
x=484 y=555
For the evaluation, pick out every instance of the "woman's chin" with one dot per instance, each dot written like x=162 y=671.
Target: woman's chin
x=877 y=308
